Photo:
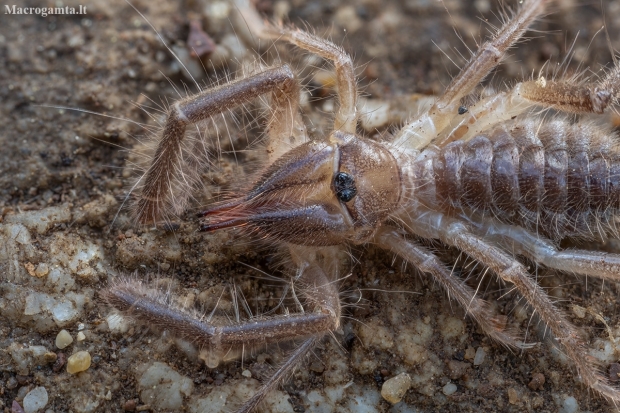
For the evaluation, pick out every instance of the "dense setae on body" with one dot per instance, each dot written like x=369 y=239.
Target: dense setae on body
x=492 y=180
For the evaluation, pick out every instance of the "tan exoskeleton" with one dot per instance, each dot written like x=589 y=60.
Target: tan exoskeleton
x=494 y=181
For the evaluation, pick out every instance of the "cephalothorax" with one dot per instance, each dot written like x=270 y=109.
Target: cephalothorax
x=349 y=186
x=493 y=181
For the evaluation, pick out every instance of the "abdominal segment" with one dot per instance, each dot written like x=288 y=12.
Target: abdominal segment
x=555 y=178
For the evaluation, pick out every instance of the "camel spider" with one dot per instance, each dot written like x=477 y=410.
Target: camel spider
x=494 y=181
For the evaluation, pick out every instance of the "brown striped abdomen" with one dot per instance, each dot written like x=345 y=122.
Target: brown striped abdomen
x=555 y=178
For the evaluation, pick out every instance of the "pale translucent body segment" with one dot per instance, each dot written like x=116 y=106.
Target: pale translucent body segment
x=520 y=241
x=317 y=279
x=422 y=130
x=457 y=234
x=346 y=116
x=561 y=95
x=424 y=260
x=484 y=115
x=377 y=113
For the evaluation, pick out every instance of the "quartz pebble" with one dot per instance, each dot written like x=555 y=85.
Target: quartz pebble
x=80 y=336
x=35 y=400
x=42 y=270
x=395 y=388
x=162 y=388
x=78 y=362
x=479 y=357
x=26 y=357
x=449 y=389
x=513 y=396
x=569 y=405
x=63 y=339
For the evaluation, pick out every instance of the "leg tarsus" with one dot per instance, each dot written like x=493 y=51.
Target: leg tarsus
x=290 y=363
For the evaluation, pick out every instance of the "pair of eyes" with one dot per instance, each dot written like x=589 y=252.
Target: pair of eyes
x=344 y=186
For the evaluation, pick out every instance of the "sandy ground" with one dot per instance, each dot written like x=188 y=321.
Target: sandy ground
x=64 y=175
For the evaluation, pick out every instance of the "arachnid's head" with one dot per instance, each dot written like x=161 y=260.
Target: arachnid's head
x=320 y=193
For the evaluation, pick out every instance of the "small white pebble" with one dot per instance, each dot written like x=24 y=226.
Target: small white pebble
x=218 y=10
x=479 y=357
x=246 y=373
x=80 y=336
x=449 y=389
x=63 y=339
x=395 y=388
x=569 y=405
x=35 y=400
x=78 y=362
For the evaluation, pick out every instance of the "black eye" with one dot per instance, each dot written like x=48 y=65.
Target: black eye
x=344 y=185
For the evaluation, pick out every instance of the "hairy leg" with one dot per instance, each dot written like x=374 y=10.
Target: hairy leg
x=292 y=361
x=422 y=130
x=561 y=95
x=455 y=233
x=133 y=299
x=392 y=239
x=285 y=127
x=156 y=197
x=129 y=297
x=320 y=294
x=574 y=98
x=346 y=116
x=542 y=251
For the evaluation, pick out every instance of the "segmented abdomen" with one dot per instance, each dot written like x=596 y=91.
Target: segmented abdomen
x=556 y=178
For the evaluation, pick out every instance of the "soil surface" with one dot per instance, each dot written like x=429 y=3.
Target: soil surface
x=66 y=232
